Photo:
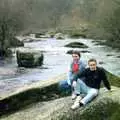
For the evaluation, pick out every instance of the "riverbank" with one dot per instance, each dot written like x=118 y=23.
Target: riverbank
x=90 y=31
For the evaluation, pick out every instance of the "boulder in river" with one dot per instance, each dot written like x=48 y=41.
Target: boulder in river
x=29 y=58
x=59 y=36
x=42 y=35
x=101 y=62
x=82 y=51
x=109 y=55
x=78 y=35
x=118 y=56
x=76 y=45
x=15 y=42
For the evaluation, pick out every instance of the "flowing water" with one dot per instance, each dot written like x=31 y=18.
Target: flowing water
x=56 y=62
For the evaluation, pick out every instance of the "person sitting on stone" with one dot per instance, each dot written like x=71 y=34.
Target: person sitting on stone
x=90 y=85
x=76 y=67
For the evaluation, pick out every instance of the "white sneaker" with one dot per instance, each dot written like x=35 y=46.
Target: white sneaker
x=78 y=99
x=75 y=106
x=73 y=96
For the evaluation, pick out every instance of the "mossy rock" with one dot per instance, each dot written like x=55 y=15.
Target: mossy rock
x=118 y=56
x=109 y=55
x=78 y=35
x=105 y=106
x=76 y=45
x=82 y=51
x=38 y=35
x=14 y=42
x=29 y=58
x=41 y=91
x=42 y=101
x=59 y=36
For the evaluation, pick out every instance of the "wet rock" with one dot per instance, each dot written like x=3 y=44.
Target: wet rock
x=118 y=56
x=76 y=45
x=15 y=42
x=83 y=51
x=38 y=35
x=42 y=35
x=101 y=62
x=59 y=36
x=28 y=40
x=29 y=58
x=78 y=35
x=109 y=55
x=102 y=107
x=51 y=34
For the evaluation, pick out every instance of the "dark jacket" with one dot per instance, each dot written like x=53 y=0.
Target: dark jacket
x=93 y=78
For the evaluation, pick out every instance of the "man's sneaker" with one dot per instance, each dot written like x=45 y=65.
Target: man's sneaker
x=78 y=99
x=75 y=105
x=73 y=96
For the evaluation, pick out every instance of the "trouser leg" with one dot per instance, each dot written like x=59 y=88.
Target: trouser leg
x=63 y=85
x=92 y=93
x=81 y=87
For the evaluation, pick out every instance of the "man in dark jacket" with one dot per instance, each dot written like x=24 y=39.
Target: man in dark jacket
x=91 y=84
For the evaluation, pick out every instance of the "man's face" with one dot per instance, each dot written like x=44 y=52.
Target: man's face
x=92 y=65
x=75 y=57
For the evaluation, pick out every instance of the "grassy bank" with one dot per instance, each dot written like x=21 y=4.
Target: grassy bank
x=91 y=32
x=114 y=80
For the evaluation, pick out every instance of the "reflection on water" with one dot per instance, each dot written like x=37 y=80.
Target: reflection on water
x=56 y=62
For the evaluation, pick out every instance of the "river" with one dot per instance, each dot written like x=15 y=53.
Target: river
x=56 y=62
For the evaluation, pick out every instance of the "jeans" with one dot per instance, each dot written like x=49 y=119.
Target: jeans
x=65 y=86
x=89 y=93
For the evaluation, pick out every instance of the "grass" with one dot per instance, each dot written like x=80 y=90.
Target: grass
x=114 y=80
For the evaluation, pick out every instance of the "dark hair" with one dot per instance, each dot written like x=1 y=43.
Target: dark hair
x=92 y=60
x=77 y=53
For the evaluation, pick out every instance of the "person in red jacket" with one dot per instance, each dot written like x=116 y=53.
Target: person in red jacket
x=77 y=66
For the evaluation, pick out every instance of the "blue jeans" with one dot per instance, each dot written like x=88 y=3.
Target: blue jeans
x=89 y=93
x=63 y=85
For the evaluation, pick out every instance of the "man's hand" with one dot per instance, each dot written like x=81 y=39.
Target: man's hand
x=74 y=83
